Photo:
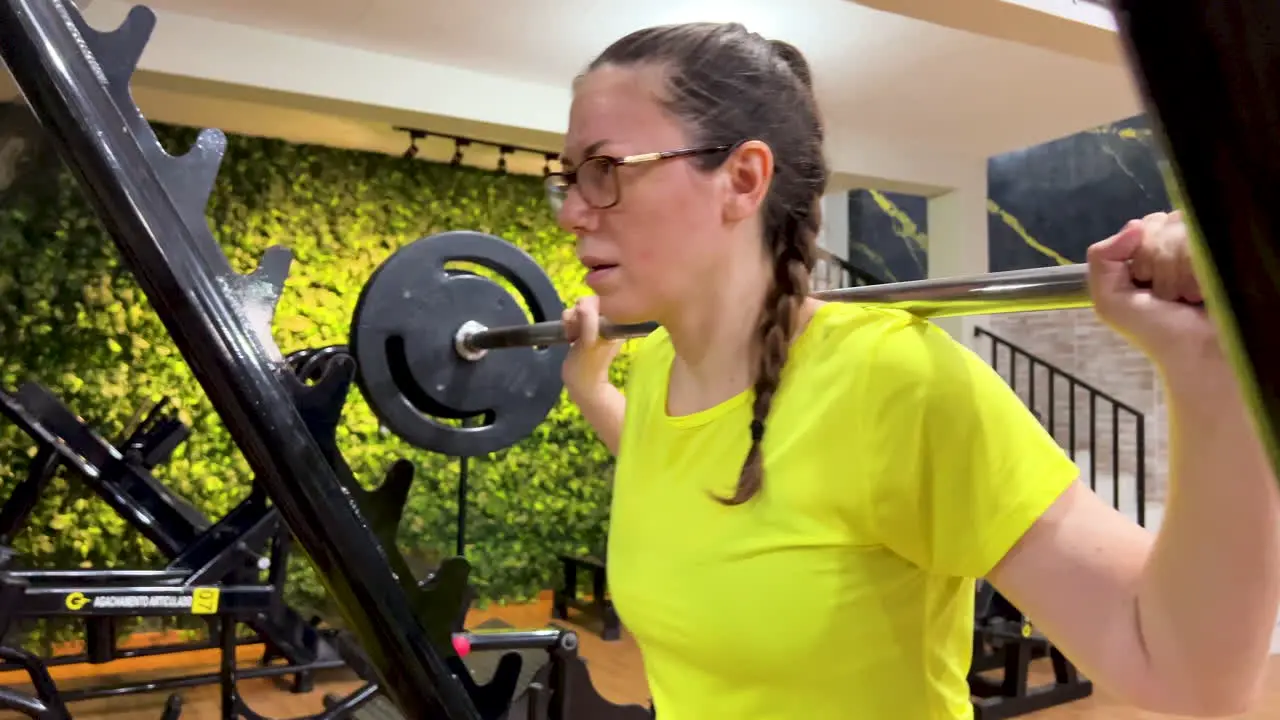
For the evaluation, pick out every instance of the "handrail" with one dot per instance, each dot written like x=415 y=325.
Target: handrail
x=854 y=271
x=1093 y=394
x=1058 y=370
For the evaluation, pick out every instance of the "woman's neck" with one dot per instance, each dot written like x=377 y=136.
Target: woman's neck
x=714 y=336
x=714 y=340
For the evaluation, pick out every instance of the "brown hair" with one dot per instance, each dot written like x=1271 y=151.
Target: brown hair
x=728 y=85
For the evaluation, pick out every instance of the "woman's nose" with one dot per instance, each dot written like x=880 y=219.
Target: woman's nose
x=574 y=214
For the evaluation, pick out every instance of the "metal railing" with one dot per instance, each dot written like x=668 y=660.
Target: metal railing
x=1041 y=387
x=832 y=271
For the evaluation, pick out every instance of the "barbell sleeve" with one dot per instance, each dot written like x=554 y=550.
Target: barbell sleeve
x=1056 y=288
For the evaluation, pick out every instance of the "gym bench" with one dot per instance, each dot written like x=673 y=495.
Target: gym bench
x=598 y=606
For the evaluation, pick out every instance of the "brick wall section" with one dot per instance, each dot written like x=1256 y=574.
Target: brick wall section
x=1077 y=342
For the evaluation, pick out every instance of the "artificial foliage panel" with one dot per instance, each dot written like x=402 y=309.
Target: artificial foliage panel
x=74 y=320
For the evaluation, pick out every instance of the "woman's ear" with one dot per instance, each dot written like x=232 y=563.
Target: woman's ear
x=748 y=173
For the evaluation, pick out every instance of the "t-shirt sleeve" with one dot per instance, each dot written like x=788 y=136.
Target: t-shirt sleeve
x=963 y=467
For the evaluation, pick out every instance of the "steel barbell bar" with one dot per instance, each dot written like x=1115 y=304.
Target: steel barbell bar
x=427 y=318
x=1055 y=288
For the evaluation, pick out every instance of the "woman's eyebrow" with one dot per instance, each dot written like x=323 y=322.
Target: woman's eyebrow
x=591 y=149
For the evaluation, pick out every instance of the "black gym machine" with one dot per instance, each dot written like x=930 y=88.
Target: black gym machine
x=75 y=79
x=214 y=570
x=1006 y=644
x=213 y=574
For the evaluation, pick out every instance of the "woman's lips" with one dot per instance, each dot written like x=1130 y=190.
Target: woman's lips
x=597 y=275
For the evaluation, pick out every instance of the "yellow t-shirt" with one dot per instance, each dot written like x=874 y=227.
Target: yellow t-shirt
x=898 y=467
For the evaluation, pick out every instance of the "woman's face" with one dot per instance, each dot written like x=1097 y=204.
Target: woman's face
x=646 y=254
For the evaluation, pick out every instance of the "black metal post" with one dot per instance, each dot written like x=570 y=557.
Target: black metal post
x=462 y=506
x=1115 y=456
x=76 y=82
x=1209 y=72
x=22 y=501
x=1141 y=471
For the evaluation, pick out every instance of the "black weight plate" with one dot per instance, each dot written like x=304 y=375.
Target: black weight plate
x=298 y=358
x=309 y=364
x=403 y=332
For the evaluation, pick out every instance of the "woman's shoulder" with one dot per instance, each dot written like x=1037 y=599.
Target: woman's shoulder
x=891 y=353
x=649 y=355
x=844 y=331
x=873 y=340
x=657 y=342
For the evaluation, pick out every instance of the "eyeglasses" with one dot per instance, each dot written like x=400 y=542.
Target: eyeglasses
x=597 y=176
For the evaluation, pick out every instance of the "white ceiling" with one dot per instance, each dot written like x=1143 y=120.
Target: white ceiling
x=878 y=74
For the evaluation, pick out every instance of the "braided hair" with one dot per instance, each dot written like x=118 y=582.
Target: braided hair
x=727 y=85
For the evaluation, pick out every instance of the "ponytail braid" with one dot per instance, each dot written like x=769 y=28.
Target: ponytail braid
x=728 y=84
x=793 y=251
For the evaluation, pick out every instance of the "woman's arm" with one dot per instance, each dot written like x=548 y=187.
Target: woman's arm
x=604 y=407
x=586 y=372
x=1208 y=596
x=1182 y=622
x=1176 y=622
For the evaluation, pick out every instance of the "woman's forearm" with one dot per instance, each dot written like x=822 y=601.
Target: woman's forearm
x=1208 y=597
x=604 y=407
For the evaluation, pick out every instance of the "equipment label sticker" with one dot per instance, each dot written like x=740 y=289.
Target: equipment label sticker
x=204 y=601
x=201 y=601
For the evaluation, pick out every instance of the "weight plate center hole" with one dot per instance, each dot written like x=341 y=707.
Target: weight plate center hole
x=474 y=268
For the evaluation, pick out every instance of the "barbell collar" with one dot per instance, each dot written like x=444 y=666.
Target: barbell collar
x=1010 y=291
x=461 y=341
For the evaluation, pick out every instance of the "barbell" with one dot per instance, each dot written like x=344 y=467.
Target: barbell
x=427 y=323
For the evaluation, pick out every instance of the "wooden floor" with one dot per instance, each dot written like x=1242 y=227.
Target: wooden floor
x=615 y=670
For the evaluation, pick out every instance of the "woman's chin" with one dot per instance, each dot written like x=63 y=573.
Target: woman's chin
x=621 y=310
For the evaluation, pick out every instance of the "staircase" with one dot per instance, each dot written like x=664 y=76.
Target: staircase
x=1105 y=436
x=832 y=272
x=1056 y=392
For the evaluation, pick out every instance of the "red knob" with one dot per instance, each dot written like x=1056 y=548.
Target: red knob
x=462 y=645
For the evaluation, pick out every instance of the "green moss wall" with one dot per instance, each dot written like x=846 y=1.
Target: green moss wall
x=72 y=318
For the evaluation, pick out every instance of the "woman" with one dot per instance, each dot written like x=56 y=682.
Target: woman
x=805 y=492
